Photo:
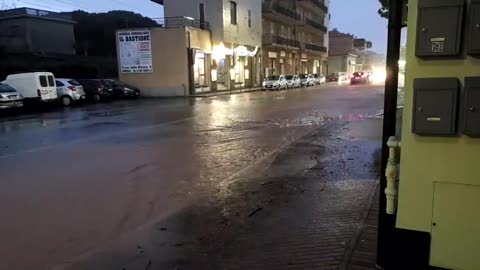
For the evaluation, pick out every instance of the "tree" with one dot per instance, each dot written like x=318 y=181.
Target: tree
x=95 y=32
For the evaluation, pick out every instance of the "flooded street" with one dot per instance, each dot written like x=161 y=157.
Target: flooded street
x=187 y=183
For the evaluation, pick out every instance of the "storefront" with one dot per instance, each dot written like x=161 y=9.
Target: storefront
x=201 y=68
x=234 y=67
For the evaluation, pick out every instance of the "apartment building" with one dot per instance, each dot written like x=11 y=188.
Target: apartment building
x=347 y=53
x=236 y=33
x=295 y=36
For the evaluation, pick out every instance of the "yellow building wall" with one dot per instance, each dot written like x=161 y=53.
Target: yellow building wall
x=170 y=62
x=426 y=160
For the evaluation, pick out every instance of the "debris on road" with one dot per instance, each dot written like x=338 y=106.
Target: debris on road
x=256 y=211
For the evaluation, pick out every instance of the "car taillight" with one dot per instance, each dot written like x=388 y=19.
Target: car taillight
x=39 y=93
x=72 y=88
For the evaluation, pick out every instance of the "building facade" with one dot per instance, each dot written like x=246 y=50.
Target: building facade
x=295 y=36
x=28 y=30
x=348 y=53
x=236 y=32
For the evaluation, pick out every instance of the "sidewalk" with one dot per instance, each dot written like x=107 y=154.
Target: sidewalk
x=364 y=252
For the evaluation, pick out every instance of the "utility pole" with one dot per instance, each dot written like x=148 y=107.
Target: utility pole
x=386 y=223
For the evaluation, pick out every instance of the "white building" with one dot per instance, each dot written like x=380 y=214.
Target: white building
x=236 y=33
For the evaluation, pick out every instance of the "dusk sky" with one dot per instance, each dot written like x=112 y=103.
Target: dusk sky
x=358 y=17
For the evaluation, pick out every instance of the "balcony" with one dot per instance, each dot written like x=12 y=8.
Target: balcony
x=315 y=47
x=315 y=4
x=271 y=39
x=315 y=25
x=312 y=26
x=180 y=22
x=272 y=9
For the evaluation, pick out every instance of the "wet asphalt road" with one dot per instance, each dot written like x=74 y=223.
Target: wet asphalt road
x=74 y=181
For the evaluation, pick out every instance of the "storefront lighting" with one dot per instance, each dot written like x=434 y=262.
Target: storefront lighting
x=243 y=51
x=219 y=52
x=214 y=75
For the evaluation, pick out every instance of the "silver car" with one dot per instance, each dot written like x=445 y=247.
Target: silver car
x=320 y=79
x=307 y=80
x=275 y=83
x=293 y=81
x=9 y=97
x=69 y=91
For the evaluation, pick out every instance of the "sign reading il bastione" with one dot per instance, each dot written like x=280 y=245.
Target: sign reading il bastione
x=135 y=51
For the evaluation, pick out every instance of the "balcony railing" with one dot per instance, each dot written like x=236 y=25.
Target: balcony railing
x=320 y=4
x=270 y=6
x=315 y=24
x=315 y=47
x=180 y=22
x=274 y=39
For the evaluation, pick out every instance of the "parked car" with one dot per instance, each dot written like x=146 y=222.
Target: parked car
x=95 y=90
x=360 y=77
x=293 y=81
x=307 y=80
x=338 y=77
x=9 y=97
x=275 y=82
x=121 y=89
x=69 y=91
x=38 y=86
x=320 y=79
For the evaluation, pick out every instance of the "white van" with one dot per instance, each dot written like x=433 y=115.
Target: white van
x=35 y=85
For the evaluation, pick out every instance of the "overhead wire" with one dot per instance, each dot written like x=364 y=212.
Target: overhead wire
x=37 y=5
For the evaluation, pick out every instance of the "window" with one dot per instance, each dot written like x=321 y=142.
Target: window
x=73 y=82
x=249 y=18
x=43 y=81
x=59 y=83
x=201 y=8
x=51 y=81
x=233 y=12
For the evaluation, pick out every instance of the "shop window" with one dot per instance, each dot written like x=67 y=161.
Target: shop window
x=199 y=69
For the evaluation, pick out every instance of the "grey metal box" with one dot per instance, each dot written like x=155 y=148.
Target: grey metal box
x=435 y=106
x=471 y=104
x=473 y=29
x=439 y=27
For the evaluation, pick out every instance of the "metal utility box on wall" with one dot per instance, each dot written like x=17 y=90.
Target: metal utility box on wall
x=439 y=27
x=435 y=106
x=471 y=124
x=473 y=46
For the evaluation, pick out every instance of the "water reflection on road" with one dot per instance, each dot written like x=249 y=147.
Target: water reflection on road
x=73 y=180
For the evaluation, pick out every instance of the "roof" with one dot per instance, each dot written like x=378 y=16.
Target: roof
x=35 y=13
x=158 y=1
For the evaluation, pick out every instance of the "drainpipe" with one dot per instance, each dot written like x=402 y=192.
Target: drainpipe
x=391 y=173
x=386 y=222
